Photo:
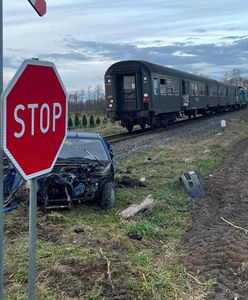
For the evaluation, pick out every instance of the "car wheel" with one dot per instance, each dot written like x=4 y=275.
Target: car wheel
x=108 y=195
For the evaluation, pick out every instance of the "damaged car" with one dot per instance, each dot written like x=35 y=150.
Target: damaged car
x=83 y=172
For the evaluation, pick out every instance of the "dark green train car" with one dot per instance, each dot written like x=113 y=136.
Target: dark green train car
x=143 y=93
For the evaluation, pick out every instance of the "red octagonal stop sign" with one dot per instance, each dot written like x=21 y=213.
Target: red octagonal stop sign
x=34 y=118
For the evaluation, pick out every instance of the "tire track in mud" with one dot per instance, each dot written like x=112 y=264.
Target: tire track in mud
x=215 y=249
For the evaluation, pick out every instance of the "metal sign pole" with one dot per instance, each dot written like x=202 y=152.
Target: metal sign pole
x=32 y=238
x=1 y=157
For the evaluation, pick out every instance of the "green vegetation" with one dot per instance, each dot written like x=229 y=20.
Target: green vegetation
x=84 y=121
x=70 y=123
x=92 y=121
x=98 y=121
x=76 y=121
x=71 y=266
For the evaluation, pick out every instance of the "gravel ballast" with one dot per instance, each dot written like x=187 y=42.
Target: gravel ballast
x=124 y=149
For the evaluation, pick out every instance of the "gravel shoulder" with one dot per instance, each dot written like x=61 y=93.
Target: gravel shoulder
x=123 y=150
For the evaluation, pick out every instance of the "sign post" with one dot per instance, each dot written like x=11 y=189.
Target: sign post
x=34 y=119
x=1 y=159
x=32 y=238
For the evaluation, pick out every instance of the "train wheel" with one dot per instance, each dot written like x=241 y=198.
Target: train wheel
x=129 y=128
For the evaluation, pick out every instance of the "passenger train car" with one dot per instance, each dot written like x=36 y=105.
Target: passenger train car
x=143 y=93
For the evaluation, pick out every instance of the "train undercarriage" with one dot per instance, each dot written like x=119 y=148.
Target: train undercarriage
x=154 y=120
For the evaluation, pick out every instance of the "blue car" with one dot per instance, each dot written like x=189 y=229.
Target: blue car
x=83 y=172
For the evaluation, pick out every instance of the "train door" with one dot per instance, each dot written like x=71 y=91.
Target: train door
x=185 y=93
x=207 y=95
x=126 y=87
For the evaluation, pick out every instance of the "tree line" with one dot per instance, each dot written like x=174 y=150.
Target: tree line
x=90 y=100
x=235 y=78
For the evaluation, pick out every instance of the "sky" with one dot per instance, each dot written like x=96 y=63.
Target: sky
x=84 y=37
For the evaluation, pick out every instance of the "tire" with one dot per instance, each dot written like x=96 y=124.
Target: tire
x=108 y=195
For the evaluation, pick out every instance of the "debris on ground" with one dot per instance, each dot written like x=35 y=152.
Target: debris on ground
x=126 y=181
x=136 y=208
x=142 y=179
x=220 y=133
x=79 y=230
x=192 y=184
x=188 y=161
x=147 y=160
x=134 y=235
x=207 y=152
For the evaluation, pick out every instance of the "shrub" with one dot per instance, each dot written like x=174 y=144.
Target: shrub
x=98 y=121
x=92 y=121
x=84 y=121
x=105 y=120
x=76 y=121
x=69 y=123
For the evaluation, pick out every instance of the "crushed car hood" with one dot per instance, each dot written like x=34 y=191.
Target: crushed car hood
x=73 y=180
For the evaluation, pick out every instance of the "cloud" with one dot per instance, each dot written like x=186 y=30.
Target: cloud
x=182 y=56
x=200 y=30
x=83 y=37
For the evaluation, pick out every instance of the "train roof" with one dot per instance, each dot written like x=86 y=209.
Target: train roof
x=158 y=69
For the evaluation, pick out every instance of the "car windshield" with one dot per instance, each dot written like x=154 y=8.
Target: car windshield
x=83 y=147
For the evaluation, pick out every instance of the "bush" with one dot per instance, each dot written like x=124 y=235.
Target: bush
x=98 y=121
x=92 y=121
x=76 y=121
x=69 y=123
x=105 y=120
x=84 y=121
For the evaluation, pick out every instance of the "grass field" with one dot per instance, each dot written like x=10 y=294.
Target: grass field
x=74 y=266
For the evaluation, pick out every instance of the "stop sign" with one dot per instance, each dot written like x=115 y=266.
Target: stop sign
x=34 y=118
x=39 y=6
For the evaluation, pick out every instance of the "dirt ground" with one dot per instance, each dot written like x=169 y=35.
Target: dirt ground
x=214 y=248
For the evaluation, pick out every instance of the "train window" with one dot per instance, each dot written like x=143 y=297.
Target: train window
x=176 y=87
x=213 y=91
x=155 y=86
x=194 y=88
x=231 y=92
x=172 y=87
x=201 y=89
x=206 y=90
x=163 y=88
x=220 y=90
x=129 y=82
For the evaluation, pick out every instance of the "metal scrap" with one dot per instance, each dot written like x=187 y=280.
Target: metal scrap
x=192 y=184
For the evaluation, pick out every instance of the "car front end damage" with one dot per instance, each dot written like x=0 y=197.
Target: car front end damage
x=73 y=181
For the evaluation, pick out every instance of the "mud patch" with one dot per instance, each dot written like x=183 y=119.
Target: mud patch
x=216 y=249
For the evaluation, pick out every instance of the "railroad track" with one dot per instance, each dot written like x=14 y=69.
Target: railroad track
x=115 y=138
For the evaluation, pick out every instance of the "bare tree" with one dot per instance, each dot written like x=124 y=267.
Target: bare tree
x=235 y=78
x=91 y=101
